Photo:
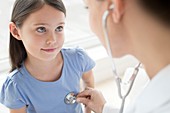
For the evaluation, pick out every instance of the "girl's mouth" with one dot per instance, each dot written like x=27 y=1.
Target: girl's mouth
x=50 y=50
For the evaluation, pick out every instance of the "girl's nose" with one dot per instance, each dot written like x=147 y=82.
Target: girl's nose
x=51 y=39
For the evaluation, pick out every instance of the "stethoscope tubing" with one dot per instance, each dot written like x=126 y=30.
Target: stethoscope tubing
x=118 y=79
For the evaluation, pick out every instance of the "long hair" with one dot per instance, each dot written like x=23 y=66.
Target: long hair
x=21 y=10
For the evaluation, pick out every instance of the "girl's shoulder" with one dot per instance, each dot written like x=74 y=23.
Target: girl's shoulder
x=78 y=58
x=74 y=53
x=72 y=50
x=11 y=79
x=9 y=91
x=13 y=74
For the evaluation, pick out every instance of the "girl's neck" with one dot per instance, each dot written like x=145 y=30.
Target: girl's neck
x=45 y=70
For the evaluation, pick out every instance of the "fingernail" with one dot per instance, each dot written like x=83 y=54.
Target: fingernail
x=78 y=100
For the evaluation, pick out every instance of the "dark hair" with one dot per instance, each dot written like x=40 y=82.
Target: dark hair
x=21 y=10
x=158 y=8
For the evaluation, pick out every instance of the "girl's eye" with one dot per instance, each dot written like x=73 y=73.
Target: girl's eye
x=41 y=29
x=59 y=29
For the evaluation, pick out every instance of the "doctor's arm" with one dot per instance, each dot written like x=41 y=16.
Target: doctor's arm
x=20 y=110
x=96 y=102
x=88 y=80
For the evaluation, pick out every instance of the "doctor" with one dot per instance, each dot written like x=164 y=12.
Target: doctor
x=140 y=28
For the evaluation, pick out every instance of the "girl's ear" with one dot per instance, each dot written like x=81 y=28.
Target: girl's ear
x=14 y=31
x=118 y=10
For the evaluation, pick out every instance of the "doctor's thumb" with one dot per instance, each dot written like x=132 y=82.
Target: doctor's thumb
x=85 y=101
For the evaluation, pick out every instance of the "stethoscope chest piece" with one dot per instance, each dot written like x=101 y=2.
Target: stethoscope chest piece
x=70 y=98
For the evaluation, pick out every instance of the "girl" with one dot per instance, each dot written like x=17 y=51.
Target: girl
x=42 y=72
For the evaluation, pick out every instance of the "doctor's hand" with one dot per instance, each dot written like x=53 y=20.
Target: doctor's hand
x=92 y=99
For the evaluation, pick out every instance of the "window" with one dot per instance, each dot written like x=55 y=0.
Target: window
x=5 y=9
x=77 y=25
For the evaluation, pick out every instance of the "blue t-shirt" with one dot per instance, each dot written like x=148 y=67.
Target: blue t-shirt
x=21 y=89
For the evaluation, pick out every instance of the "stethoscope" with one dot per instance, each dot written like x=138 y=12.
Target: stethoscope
x=119 y=81
x=70 y=98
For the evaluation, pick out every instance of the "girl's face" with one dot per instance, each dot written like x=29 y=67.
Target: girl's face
x=42 y=33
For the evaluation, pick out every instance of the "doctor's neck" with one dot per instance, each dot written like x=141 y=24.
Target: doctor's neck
x=154 y=50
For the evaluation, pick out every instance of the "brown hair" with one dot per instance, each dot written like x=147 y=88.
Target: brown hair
x=158 y=8
x=21 y=10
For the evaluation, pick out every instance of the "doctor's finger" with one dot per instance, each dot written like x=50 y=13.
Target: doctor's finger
x=88 y=88
x=85 y=101
x=85 y=93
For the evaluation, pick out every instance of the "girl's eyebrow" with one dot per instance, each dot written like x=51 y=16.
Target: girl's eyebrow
x=61 y=23
x=47 y=23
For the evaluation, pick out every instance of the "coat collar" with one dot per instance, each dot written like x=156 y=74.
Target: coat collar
x=156 y=93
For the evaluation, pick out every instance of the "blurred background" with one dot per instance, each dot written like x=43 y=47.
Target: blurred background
x=77 y=33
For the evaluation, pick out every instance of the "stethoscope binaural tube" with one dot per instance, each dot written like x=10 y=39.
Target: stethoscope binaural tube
x=118 y=79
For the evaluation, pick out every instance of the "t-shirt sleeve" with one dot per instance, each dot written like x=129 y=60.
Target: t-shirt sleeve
x=10 y=95
x=85 y=63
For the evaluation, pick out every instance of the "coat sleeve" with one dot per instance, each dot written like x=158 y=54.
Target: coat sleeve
x=109 y=109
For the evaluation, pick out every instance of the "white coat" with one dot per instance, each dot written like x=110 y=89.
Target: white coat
x=155 y=98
